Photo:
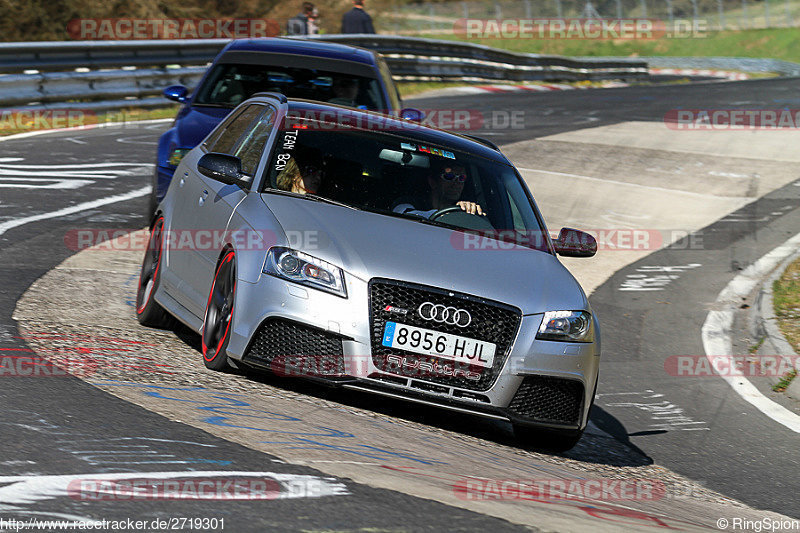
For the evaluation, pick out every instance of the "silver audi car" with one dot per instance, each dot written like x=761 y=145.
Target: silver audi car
x=375 y=254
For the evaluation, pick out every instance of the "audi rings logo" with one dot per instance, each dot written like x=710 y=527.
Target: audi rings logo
x=445 y=315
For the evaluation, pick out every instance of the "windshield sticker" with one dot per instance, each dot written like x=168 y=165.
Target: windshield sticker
x=428 y=150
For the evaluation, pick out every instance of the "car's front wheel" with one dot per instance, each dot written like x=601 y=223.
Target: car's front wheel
x=148 y=311
x=219 y=314
x=552 y=440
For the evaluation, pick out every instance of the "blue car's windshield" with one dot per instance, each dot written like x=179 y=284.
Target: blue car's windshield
x=387 y=173
x=230 y=84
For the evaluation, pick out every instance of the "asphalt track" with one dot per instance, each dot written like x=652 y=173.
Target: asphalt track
x=738 y=453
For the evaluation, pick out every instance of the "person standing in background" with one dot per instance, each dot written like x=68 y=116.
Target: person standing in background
x=357 y=20
x=300 y=23
x=313 y=27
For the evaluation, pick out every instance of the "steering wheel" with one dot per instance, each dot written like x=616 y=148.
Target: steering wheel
x=442 y=212
x=461 y=219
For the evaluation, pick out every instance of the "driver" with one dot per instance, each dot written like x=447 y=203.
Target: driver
x=297 y=180
x=446 y=187
x=345 y=91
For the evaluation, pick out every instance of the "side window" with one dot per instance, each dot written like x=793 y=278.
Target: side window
x=252 y=144
x=215 y=135
x=227 y=137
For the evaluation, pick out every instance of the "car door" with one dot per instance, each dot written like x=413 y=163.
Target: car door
x=209 y=204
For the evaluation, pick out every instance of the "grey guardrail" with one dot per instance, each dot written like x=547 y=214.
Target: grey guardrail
x=142 y=67
x=415 y=57
x=65 y=55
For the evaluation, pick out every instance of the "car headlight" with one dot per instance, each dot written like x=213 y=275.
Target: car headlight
x=569 y=326
x=176 y=156
x=304 y=269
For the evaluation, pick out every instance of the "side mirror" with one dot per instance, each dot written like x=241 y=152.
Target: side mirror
x=414 y=115
x=221 y=167
x=176 y=93
x=575 y=243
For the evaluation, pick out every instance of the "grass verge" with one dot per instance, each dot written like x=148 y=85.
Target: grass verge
x=19 y=121
x=786 y=302
x=774 y=43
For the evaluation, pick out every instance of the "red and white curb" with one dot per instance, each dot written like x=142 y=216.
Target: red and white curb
x=505 y=88
x=724 y=74
x=502 y=88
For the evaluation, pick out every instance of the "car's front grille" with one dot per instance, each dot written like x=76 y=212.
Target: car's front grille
x=290 y=348
x=548 y=399
x=397 y=301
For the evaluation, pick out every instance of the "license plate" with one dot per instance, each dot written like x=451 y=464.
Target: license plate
x=446 y=345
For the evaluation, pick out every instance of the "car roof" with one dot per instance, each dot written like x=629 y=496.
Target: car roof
x=304 y=47
x=411 y=130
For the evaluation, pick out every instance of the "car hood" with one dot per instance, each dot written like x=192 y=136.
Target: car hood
x=197 y=123
x=369 y=245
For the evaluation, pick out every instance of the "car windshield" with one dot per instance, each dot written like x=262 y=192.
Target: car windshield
x=390 y=174
x=230 y=84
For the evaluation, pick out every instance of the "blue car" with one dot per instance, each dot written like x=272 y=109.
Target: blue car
x=312 y=70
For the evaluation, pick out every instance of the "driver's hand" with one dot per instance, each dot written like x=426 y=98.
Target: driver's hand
x=471 y=207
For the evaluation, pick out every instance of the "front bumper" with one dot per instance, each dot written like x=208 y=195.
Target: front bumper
x=301 y=332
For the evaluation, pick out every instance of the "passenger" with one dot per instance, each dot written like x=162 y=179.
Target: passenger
x=292 y=179
x=446 y=187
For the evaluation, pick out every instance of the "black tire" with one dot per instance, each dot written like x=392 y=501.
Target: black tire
x=219 y=315
x=551 y=440
x=148 y=311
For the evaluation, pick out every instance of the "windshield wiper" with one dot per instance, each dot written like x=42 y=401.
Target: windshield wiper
x=311 y=196
x=318 y=198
